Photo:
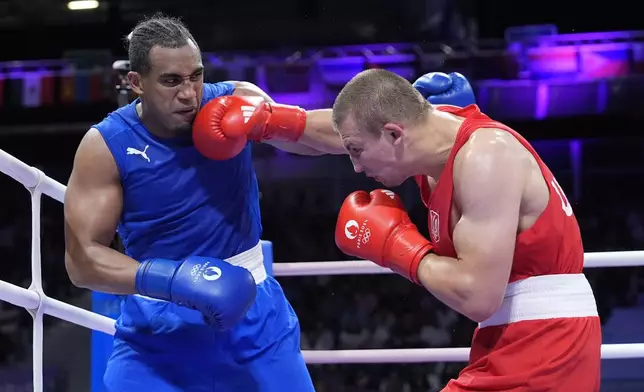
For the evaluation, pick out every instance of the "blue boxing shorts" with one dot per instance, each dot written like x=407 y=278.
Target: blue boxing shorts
x=163 y=347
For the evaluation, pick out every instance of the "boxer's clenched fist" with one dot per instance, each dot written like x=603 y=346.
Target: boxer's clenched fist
x=222 y=292
x=446 y=89
x=224 y=125
x=376 y=227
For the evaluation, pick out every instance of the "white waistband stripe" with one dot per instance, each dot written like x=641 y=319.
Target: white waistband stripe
x=545 y=297
x=252 y=260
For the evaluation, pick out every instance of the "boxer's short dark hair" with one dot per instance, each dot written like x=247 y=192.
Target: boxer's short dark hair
x=376 y=97
x=157 y=30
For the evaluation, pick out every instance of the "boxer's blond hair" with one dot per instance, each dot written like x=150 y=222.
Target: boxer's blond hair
x=376 y=97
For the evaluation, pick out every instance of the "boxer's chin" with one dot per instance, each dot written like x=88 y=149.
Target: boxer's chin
x=391 y=182
x=183 y=129
x=385 y=181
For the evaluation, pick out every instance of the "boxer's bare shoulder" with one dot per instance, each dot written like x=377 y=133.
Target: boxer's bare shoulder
x=93 y=200
x=492 y=156
x=94 y=164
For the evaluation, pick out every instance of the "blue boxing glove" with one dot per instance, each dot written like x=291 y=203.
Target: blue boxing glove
x=442 y=89
x=222 y=292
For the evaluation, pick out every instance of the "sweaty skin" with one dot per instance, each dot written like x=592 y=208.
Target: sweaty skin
x=499 y=191
x=93 y=205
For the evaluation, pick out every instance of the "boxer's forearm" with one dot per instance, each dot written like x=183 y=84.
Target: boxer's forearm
x=319 y=133
x=99 y=268
x=449 y=280
x=319 y=137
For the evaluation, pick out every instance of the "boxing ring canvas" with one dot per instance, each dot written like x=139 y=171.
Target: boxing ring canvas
x=37 y=303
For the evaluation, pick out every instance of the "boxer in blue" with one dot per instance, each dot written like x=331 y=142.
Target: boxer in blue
x=172 y=174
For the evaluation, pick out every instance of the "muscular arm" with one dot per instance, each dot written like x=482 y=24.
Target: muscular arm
x=489 y=178
x=93 y=205
x=319 y=136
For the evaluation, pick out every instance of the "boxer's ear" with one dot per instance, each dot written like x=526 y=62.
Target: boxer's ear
x=393 y=133
x=136 y=82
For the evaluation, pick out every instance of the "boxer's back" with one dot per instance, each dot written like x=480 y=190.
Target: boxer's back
x=552 y=242
x=177 y=203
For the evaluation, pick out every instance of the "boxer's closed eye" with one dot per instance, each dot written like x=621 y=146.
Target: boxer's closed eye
x=353 y=150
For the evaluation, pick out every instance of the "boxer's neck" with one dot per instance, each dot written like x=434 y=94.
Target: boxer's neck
x=435 y=141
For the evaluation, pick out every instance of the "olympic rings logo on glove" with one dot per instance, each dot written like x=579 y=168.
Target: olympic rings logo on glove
x=205 y=271
x=366 y=236
x=195 y=270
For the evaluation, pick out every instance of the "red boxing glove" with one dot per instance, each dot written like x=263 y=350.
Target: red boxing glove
x=376 y=227
x=224 y=125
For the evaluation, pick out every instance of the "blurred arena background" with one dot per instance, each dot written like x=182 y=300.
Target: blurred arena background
x=567 y=75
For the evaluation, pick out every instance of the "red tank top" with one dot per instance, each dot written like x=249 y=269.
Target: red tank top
x=552 y=245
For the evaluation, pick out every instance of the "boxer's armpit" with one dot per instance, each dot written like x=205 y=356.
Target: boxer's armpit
x=93 y=205
x=489 y=180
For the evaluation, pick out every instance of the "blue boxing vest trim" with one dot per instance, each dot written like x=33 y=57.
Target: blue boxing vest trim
x=176 y=202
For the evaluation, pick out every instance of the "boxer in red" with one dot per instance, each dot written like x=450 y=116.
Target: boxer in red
x=505 y=247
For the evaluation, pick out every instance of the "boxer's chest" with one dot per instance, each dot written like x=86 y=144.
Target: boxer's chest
x=174 y=181
x=444 y=212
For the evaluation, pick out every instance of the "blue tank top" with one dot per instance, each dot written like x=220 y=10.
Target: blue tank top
x=177 y=203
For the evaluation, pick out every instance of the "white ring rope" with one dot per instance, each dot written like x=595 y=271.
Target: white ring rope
x=634 y=258
x=37 y=303
x=423 y=355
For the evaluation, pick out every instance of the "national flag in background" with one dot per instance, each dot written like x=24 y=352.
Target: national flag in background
x=81 y=86
x=47 y=86
x=66 y=91
x=31 y=89
x=549 y=62
x=601 y=63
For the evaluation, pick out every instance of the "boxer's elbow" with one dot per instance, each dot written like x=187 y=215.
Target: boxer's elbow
x=480 y=309
x=483 y=301
x=461 y=288
x=74 y=271
x=79 y=268
x=486 y=299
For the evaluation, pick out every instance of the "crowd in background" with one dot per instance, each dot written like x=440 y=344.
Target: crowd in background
x=341 y=312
